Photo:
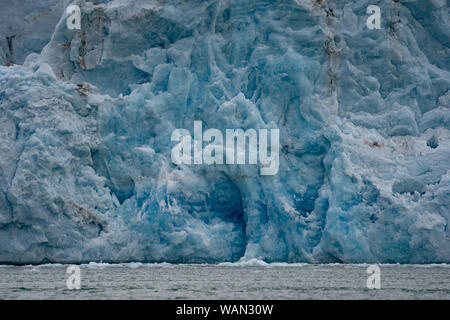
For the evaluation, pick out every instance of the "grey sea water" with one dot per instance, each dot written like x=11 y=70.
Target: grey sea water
x=225 y=281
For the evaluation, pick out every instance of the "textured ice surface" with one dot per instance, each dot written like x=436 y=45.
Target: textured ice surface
x=364 y=120
x=26 y=26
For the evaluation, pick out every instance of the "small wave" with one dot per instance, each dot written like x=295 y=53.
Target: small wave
x=259 y=263
x=131 y=265
x=245 y=263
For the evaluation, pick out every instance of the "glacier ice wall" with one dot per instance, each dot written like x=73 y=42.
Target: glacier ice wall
x=86 y=173
x=26 y=26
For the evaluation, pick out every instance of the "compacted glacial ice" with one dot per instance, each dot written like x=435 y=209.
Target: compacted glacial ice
x=364 y=118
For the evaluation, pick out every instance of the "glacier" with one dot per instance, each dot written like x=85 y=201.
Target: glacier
x=86 y=119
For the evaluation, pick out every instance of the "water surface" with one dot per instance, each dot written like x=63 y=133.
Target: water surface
x=225 y=281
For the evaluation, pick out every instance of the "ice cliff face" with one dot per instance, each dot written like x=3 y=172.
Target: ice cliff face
x=85 y=151
x=26 y=26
